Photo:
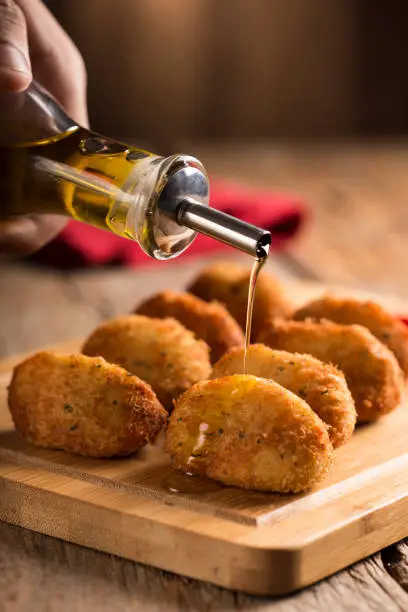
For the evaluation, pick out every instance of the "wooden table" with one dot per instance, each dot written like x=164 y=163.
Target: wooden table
x=359 y=238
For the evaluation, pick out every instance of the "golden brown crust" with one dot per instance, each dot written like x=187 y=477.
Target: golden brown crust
x=160 y=351
x=383 y=325
x=228 y=283
x=209 y=321
x=249 y=432
x=83 y=405
x=321 y=385
x=371 y=370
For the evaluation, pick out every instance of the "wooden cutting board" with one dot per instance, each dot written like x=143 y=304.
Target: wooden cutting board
x=258 y=543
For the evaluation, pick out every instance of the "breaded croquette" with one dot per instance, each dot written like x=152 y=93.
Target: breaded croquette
x=371 y=369
x=209 y=321
x=386 y=327
x=83 y=405
x=160 y=351
x=228 y=284
x=249 y=432
x=321 y=385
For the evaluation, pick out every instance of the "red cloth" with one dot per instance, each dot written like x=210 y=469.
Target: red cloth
x=83 y=245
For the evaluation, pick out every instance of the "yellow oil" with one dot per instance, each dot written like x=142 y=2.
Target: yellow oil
x=79 y=174
x=256 y=268
x=188 y=484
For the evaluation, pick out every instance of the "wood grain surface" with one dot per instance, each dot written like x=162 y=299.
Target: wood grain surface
x=40 y=307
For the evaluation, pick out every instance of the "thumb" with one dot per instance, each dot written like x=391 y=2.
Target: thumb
x=15 y=68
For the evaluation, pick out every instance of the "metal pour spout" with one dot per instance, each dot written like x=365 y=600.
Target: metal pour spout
x=225 y=228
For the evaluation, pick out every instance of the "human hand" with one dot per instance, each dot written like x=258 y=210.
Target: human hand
x=32 y=43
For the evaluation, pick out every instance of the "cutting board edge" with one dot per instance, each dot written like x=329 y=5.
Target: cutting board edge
x=244 y=567
x=250 y=568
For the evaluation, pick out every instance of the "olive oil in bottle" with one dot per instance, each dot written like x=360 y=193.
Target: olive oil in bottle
x=51 y=165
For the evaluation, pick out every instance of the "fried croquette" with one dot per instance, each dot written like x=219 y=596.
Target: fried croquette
x=372 y=372
x=249 y=432
x=160 y=351
x=387 y=328
x=228 y=284
x=83 y=405
x=321 y=385
x=209 y=321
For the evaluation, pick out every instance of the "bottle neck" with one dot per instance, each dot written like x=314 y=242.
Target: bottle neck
x=48 y=164
x=121 y=193
x=32 y=115
x=104 y=183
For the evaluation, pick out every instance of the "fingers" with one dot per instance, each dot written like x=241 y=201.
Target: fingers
x=26 y=235
x=57 y=63
x=31 y=40
x=15 y=68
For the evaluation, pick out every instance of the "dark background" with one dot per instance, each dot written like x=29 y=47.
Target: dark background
x=173 y=71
